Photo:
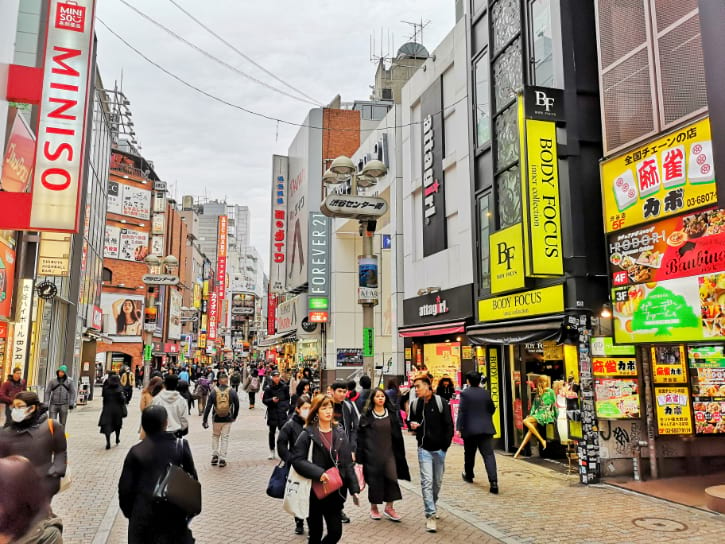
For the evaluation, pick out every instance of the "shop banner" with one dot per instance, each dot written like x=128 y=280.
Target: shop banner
x=54 y=254
x=114 y=203
x=112 y=242
x=318 y=267
x=123 y=316
x=507 y=260
x=672 y=248
x=682 y=310
x=21 y=327
x=349 y=357
x=175 y=303
x=549 y=300
x=673 y=410
x=17 y=167
x=707 y=370
x=493 y=387
x=668 y=364
x=7 y=277
x=367 y=290
x=667 y=176
x=136 y=202
x=133 y=245
x=433 y=213
x=213 y=315
x=221 y=255
x=278 y=228
x=603 y=346
x=443 y=359
x=614 y=366
x=616 y=398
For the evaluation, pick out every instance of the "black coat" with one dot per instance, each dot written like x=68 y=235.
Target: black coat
x=144 y=465
x=276 y=411
x=288 y=437
x=114 y=410
x=324 y=459
x=368 y=453
x=474 y=412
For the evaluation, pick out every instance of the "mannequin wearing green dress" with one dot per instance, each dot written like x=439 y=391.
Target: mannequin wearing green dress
x=542 y=413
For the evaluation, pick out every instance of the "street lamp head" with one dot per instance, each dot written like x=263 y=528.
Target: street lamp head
x=152 y=260
x=343 y=165
x=364 y=180
x=374 y=168
x=330 y=177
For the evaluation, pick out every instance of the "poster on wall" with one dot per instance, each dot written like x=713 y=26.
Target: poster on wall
x=668 y=364
x=7 y=277
x=112 y=242
x=681 y=310
x=443 y=359
x=707 y=373
x=617 y=398
x=133 y=245
x=673 y=410
x=114 y=204
x=136 y=202
x=175 y=303
x=349 y=357
x=122 y=316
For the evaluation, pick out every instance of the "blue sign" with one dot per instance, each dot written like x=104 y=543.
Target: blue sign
x=387 y=241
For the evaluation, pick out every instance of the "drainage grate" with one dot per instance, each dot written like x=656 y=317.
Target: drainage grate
x=660 y=524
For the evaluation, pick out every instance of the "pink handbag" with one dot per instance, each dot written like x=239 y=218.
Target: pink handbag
x=333 y=483
x=359 y=472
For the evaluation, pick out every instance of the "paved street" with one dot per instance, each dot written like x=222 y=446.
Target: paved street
x=536 y=505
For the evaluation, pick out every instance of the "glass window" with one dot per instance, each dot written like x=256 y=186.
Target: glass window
x=484 y=219
x=478 y=5
x=541 y=43
x=508 y=197
x=483 y=101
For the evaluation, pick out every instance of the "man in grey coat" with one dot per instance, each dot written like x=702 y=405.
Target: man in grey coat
x=60 y=395
x=475 y=423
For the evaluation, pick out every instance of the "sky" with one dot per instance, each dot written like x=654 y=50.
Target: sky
x=212 y=150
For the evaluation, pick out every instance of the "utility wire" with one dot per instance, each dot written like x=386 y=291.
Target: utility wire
x=240 y=53
x=215 y=59
x=252 y=112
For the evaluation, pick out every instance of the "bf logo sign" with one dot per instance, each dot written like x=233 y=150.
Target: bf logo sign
x=543 y=101
x=505 y=254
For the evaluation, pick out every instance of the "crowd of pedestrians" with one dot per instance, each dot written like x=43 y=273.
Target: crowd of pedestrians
x=343 y=441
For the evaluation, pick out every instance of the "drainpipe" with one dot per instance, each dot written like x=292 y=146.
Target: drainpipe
x=643 y=356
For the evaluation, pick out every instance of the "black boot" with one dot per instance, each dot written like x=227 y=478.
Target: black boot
x=494 y=488
x=299 y=526
x=108 y=441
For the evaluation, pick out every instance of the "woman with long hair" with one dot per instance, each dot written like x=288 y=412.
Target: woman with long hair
x=153 y=388
x=114 y=410
x=445 y=388
x=31 y=434
x=330 y=448
x=128 y=318
x=543 y=412
x=381 y=452
x=303 y=388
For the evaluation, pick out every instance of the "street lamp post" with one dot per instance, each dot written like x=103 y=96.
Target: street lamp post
x=367 y=210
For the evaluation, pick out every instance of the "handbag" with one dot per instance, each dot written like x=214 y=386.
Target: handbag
x=177 y=488
x=297 y=492
x=360 y=473
x=278 y=481
x=333 y=483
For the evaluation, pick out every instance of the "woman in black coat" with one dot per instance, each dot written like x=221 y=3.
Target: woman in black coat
x=303 y=388
x=114 y=409
x=287 y=438
x=445 y=388
x=381 y=452
x=330 y=447
x=146 y=462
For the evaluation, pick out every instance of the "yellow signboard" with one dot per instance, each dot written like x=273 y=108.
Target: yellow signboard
x=54 y=254
x=548 y=300
x=673 y=410
x=493 y=388
x=543 y=210
x=507 y=260
x=467 y=352
x=669 y=364
x=661 y=178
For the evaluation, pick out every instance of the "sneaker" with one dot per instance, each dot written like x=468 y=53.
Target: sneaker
x=271 y=455
x=222 y=463
x=343 y=517
x=494 y=488
x=214 y=460
x=391 y=514
x=375 y=514
x=430 y=525
x=299 y=527
x=466 y=478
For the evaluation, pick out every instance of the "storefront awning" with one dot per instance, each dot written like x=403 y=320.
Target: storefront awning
x=517 y=331
x=433 y=330
x=276 y=339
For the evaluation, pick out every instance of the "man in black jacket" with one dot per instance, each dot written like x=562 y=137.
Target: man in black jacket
x=475 y=423
x=276 y=399
x=347 y=416
x=225 y=403
x=430 y=418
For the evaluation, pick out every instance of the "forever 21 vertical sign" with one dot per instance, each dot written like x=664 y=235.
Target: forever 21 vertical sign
x=434 y=213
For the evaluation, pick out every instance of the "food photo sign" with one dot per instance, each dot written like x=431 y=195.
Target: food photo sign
x=707 y=371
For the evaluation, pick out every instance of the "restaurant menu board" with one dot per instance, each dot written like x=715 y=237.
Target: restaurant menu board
x=664 y=177
x=707 y=373
x=673 y=410
x=680 y=310
x=668 y=364
x=677 y=247
x=617 y=398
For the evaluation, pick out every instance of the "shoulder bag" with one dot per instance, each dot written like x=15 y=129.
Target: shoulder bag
x=176 y=487
x=278 y=481
x=297 y=492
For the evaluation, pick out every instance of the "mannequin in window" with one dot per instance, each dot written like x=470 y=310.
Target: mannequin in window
x=543 y=412
x=561 y=390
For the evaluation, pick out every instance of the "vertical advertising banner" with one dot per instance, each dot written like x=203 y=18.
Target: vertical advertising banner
x=507 y=260
x=21 y=332
x=318 y=268
x=7 y=276
x=271 y=313
x=278 y=227
x=434 y=213
x=175 y=303
x=367 y=290
x=221 y=256
x=213 y=315
x=17 y=167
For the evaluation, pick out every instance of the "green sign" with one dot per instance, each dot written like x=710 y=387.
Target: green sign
x=603 y=346
x=663 y=310
x=147 y=356
x=317 y=303
x=368 y=342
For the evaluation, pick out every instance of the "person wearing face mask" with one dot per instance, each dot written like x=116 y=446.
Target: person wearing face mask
x=41 y=440
x=14 y=385
x=288 y=435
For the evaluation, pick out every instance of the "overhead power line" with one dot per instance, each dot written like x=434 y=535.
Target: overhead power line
x=241 y=54
x=252 y=112
x=214 y=58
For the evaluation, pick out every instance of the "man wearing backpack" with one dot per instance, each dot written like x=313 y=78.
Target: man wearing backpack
x=225 y=403
x=60 y=395
x=127 y=382
x=429 y=416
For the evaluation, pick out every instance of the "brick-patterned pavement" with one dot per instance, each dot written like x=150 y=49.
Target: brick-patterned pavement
x=535 y=504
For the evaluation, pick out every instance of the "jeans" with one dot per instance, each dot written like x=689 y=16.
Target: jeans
x=220 y=439
x=484 y=444
x=201 y=403
x=59 y=412
x=432 y=467
x=272 y=441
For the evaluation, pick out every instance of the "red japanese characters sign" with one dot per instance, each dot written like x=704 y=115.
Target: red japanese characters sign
x=17 y=166
x=221 y=255
x=278 y=227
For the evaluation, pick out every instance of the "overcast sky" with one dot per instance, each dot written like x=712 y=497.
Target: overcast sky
x=208 y=149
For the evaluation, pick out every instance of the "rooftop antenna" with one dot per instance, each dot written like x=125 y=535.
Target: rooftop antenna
x=417 y=36
x=384 y=54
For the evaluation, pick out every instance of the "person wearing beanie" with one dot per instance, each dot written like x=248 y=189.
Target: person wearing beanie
x=175 y=405
x=365 y=387
x=14 y=385
x=60 y=395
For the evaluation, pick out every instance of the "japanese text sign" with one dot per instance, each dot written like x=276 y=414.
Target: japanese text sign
x=278 y=227
x=614 y=366
x=673 y=410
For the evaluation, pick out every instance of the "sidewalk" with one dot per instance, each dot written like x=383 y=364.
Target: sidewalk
x=535 y=504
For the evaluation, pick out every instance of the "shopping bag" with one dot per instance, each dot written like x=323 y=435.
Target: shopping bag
x=297 y=492
x=278 y=481
x=360 y=473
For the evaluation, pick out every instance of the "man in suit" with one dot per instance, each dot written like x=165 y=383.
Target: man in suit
x=475 y=423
